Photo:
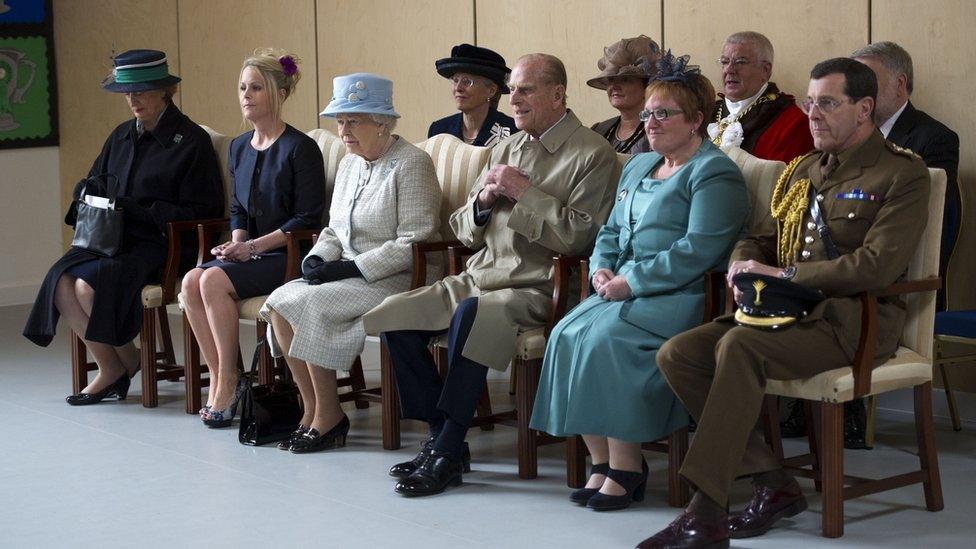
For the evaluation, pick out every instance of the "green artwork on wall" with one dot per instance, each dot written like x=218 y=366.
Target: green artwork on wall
x=28 y=98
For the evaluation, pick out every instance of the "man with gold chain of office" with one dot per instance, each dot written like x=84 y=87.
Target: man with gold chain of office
x=872 y=196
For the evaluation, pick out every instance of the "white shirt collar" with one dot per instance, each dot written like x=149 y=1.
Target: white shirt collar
x=736 y=106
x=890 y=123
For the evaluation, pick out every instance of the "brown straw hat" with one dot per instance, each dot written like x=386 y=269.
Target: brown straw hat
x=627 y=57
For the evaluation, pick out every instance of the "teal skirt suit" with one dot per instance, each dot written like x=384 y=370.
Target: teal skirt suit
x=599 y=375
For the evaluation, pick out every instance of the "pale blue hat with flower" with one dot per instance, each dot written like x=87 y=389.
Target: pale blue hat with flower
x=361 y=93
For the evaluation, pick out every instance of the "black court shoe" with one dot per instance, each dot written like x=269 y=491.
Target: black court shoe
x=404 y=469
x=634 y=483
x=118 y=389
x=435 y=473
x=292 y=438
x=583 y=495
x=312 y=441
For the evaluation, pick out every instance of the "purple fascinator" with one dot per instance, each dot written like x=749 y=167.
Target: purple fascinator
x=288 y=65
x=673 y=69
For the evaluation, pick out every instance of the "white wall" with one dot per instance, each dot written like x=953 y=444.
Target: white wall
x=30 y=221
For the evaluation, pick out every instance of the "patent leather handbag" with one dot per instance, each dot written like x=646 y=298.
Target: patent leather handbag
x=269 y=413
x=98 y=229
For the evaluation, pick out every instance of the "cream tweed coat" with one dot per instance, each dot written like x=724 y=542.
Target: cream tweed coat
x=379 y=209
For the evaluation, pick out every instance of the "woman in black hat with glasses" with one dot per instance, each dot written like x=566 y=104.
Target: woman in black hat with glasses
x=165 y=170
x=478 y=77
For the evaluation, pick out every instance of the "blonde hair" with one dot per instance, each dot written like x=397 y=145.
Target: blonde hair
x=268 y=63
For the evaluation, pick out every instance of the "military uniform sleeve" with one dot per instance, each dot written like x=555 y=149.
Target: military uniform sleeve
x=570 y=227
x=888 y=245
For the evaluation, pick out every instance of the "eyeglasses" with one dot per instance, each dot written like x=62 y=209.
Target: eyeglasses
x=826 y=105
x=464 y=82
x=736 y=63
x=659 y=114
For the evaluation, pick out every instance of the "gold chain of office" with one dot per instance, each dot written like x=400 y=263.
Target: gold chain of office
x=788 y=208
x=723 y=124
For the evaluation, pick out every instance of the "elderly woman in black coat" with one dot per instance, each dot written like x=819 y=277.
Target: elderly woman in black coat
x=165 y=170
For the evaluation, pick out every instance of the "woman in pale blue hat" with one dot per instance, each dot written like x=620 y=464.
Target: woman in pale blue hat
x=165 y=169
x=278 y=182
x=386 y=198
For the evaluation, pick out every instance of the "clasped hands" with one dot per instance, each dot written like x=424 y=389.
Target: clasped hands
x=609 y=286
x=748 y=266
x=235 y=252
x=316 y=270
x=503 y=180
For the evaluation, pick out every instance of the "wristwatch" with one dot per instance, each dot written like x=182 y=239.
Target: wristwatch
x=788 y=273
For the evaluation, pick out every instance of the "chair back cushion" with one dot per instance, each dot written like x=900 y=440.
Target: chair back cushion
x=333 y=150
x=221 y=145
x=760 y=176
x=920 y=321
x=458 y=166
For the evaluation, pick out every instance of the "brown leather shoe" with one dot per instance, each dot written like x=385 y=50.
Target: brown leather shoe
x=766 y=507
x=688 y=531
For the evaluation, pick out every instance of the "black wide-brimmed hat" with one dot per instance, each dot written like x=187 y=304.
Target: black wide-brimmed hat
x=139 y=70
x=771 y=302
x=475 y=60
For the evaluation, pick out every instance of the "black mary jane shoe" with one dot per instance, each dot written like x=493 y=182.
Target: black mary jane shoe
x=404 y=469
x=583 y=495
x=292 y=438
x=633 y=482
x=435 y=473
x=312 y=441
x=119 y=389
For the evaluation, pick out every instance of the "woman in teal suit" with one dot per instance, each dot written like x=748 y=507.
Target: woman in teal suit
x=679 y=211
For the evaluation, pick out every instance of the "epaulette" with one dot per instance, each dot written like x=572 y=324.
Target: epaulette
x=901 y=150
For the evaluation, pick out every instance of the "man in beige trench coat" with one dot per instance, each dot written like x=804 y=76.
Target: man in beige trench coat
x=547 y=189
x=873 y=197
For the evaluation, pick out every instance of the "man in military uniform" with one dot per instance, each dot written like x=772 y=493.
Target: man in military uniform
x=873 y=197
x=752 y=113
x=547 y=190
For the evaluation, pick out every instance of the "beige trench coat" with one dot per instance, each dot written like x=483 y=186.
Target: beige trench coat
x=574 y=174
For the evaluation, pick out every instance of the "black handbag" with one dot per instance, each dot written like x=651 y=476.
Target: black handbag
x=269 y=413
x=98 y=230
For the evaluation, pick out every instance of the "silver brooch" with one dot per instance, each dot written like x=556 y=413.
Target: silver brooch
x=622 y=195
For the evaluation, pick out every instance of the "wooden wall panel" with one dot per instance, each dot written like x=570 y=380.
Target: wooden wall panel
x=939 y=42
x=213 y=58
x=576 y=31
x=398 y=40
x=85 y=33
x=802 y=33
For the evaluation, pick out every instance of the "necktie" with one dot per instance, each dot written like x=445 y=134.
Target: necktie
x=829 y=166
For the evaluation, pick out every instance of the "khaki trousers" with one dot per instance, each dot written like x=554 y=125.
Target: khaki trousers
x=719 y=371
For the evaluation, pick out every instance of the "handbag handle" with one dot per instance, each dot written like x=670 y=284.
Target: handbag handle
x=254 y=361
x=113 y=192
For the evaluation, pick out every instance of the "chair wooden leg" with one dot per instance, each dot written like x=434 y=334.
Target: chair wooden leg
x=192 y=369
x=575 y=462
x=770 y=421
x=511 y=379
x=813 y=443
x=950 y=398
x=390 y=402
x=165 y=336
x=358 y=382
x=266 y=373
x=872 y=410
x=527 y=376
x=927 y=456
x=832 y=463
x=147 y=340
x=79 y=364
x=678 y=492
x=484 y=408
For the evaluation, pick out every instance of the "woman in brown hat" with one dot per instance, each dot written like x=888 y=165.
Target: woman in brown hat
x=478 y=82
x=625 y=70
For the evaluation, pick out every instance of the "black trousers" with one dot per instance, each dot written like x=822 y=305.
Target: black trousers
x=423 y=395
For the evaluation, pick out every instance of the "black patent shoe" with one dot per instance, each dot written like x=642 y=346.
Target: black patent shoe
x=312 y=441
x=119 y=389
x=404 y=469
x=435 y=473
x=292 y=438
x=583 y=495
x=795 y=425
x=855 y=425
x=634 y=483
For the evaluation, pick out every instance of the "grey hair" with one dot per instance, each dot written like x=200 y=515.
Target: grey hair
x=764 y=48
x=893 y=57
x=385 y=120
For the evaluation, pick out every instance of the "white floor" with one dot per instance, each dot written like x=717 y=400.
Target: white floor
x=119 y=475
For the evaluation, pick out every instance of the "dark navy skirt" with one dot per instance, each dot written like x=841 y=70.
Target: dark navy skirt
x=87 y=271
x=255 y=277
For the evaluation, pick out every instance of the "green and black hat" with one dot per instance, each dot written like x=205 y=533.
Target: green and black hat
x=139 y=70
